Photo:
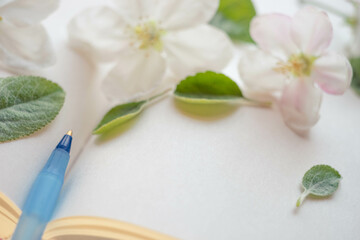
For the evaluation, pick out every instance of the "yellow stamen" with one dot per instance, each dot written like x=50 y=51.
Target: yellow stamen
x=298 y=65
x=149 y=35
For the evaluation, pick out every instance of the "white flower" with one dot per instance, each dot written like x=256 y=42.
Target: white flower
x=293 y=64
x=148 y=38
x=24 y=43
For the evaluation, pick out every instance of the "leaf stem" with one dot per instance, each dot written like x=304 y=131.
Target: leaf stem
x=252 y=103
x=301 y=198
x=326 y=7
x=150 y=100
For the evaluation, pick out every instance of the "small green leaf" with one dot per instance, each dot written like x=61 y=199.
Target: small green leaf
x=234 y=17
x=208 y=88
x=27 y=104
x=321 y=181
x=355 y=84
x=118 y=115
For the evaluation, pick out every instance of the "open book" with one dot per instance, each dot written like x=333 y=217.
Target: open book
x=76 y=227
x=233 y=174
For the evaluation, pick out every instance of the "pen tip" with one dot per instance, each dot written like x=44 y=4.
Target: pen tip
x=70 y=132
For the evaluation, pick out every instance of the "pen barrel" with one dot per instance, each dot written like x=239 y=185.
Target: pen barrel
x=45 y=191
x=43 y=196
x=29 y=228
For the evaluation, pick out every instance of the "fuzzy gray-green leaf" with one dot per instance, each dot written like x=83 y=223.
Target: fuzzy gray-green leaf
x=320 y=180
x=118 y=115
x=27 y=104
x=208 y=87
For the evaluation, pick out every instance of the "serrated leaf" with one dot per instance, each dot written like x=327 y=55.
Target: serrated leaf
x=355 y=84
x=27 y=104
x=234 y=17
x=118 y=115
x=207 y=88
x=321 y=181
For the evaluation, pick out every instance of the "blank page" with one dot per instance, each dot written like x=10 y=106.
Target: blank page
x=231 y=175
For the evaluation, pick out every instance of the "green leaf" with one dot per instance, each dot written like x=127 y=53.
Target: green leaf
x=118 y=115
x=27 y=104
x=234 y=17
x=321 y=181
x=208 y=87
x=355 y=84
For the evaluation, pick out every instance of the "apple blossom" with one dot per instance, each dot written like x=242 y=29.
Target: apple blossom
x=292 y=63
x=146 y=39
x=24 y=43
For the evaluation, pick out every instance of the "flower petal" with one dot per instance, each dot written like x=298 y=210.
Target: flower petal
x=197 y=49
x=25 y=47
x=300 y=105
x=175 y=14
x=333 y=73
x=312 y=31
x=98 y=33
x=272 y=33
x=27 y=12
x=172 y=14
x=137 y=73
x=256 y=69
x=4 y=2
x=135 y=11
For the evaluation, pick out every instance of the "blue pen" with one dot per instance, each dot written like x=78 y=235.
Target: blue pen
x=41 y=201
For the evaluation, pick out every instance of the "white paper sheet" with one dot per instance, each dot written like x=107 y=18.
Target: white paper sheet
x=230 y=177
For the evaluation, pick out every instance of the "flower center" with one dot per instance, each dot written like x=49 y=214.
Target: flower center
x=148 y=35
x=297 y=65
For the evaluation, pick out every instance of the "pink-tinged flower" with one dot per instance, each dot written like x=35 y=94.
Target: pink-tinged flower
x=293 y=63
